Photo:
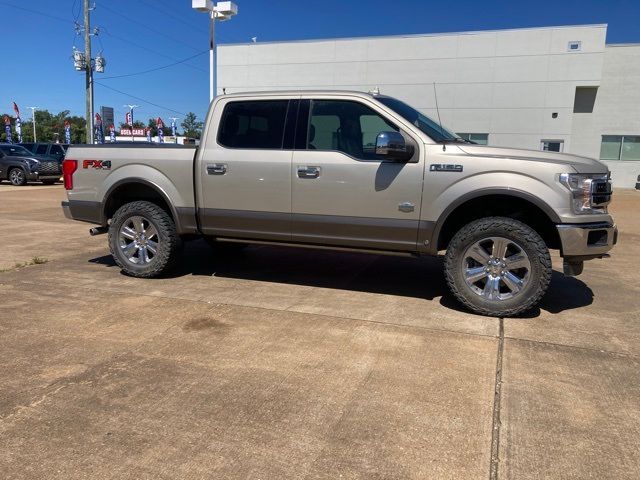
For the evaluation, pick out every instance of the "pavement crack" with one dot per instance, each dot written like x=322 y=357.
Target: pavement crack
x=495 y=431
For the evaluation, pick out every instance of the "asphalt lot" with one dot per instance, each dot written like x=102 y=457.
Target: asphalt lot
x=278 y=363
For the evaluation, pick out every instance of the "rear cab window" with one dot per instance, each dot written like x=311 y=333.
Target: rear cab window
x=253 y=124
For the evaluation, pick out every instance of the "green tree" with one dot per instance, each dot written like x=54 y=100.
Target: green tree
x=191 y=126
x=49 y=127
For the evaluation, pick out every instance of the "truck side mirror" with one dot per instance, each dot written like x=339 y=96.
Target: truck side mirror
x=393 y=146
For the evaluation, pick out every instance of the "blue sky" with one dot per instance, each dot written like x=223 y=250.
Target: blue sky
x=138 y=35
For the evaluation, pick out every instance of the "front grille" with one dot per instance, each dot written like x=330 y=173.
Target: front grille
x=600 y=193
x=49 y=168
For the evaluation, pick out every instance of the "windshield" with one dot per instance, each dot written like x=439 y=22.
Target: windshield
x=424 y=123
x=15 y=151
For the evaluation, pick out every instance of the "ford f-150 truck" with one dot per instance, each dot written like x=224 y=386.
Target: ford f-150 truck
x=349 y=170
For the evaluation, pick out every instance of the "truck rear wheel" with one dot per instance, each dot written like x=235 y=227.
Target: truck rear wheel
x=498 y=266
x=143 y=239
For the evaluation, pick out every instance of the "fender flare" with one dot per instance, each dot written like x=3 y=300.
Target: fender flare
x=521 y=194
x=134 y=180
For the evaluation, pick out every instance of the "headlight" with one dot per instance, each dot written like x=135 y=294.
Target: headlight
x=589 y=193
x=33 y=163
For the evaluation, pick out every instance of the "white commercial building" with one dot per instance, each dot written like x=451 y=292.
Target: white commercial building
x=556 y=88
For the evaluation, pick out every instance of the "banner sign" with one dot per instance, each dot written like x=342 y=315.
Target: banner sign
x=7 y=128
x=98 y=127
x=67 y=131
x=128 y=119
x=112 y=134
x=160 y=125
x=148 y=135
x=173 y=128
x=137 y=132
x=18 y=122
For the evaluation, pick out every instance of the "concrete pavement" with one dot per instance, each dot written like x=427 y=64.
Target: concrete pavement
x=279 y=363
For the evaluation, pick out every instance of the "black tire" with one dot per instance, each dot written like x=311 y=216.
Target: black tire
x=473 y=240
x=17 y=176
x=167 y=241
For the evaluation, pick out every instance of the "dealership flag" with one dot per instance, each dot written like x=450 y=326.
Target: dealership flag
x=112 y=134
x=160 y=125
x=7 y=128
x=67 y=131
x=18 y=122
x=173 y=128
x=148 y=135
x=99 y=131
x=128 y=119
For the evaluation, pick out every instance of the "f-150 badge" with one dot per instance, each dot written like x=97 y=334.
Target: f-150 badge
x=445 y=167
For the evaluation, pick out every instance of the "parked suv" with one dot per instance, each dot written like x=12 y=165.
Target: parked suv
x=55 y=150
x=349 y=170
x=19 y=165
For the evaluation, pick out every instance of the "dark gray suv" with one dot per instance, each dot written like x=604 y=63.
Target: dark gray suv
x=19 y=165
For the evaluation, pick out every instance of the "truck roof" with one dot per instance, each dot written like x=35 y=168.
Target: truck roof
x=267 y=93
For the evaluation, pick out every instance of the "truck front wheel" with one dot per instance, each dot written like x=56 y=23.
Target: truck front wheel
x=497 y=266
x=143 y=239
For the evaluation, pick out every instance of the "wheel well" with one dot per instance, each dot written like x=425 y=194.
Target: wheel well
x=499 y=206
x=131 y=192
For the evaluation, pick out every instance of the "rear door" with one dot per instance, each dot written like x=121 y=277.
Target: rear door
x=342 y=192
x=245 y=169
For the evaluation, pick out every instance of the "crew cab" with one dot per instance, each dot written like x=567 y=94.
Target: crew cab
x=349 y=170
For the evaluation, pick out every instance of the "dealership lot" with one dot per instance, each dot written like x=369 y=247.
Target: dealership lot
x=278 y=363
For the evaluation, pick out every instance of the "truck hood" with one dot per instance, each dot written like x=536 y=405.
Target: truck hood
x=579 y=164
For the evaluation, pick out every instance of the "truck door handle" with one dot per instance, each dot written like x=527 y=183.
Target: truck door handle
x=308 y=172
x=217 y=168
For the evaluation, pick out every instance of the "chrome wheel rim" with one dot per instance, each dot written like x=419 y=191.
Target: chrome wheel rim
x=138 y=240
x=496 y=268
x=17 y=176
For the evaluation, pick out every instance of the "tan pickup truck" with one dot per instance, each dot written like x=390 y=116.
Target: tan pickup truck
x=349 y=170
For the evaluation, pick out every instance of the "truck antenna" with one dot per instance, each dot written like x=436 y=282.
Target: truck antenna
x=435 y=94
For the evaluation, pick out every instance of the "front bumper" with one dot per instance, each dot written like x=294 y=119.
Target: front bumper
x=586 y=240
x=37 y=177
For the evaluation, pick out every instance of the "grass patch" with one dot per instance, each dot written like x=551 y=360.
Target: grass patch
x=33 y=261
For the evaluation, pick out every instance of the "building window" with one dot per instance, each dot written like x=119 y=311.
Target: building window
x=620 y=147
x=552 y=145
x=585 y=99
x=574 y=46
x=479 y=138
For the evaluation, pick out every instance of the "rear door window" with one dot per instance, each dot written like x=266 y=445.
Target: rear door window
x=41 y=150
x=253 y=124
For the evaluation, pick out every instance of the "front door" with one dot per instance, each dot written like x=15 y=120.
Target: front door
x=342 y=192
x=246 y=171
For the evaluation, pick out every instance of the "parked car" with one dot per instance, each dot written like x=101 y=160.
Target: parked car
x=55 y=150
x=19 y=165
x=355 y=171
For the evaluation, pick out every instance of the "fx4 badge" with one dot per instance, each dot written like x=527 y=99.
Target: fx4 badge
x=445 y=167
x=97 y=164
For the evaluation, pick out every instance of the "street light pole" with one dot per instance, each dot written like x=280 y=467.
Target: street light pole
x=212 y=56
x=88 y=71
x=33 y=120
x=217 y=11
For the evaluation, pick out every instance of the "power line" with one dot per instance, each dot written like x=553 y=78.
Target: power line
x=157 y=32
x=60 y=19
x=157 y=68
x=139 y=98
x=175 y=17
x=142 y=47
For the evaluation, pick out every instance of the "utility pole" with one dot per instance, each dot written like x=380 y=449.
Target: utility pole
x=88 y=71
x=33 y=120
